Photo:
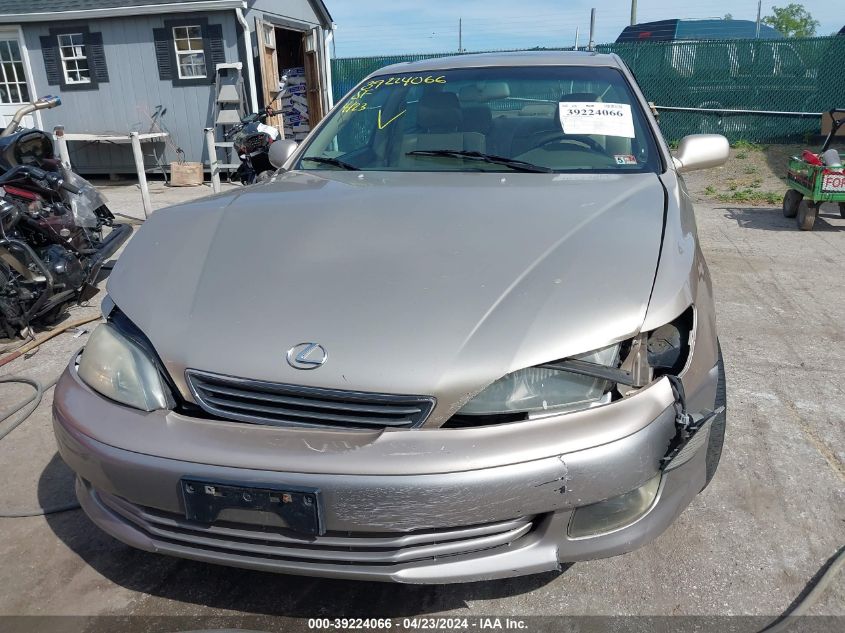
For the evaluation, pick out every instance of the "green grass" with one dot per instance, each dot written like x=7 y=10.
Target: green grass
x=710 y=190
x=748 y=146
x=751 y=195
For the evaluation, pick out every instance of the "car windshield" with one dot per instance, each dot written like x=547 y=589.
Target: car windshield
x=527 y=119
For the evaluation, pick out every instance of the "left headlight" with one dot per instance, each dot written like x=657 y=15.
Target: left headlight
x=120 y=370
x=545 y=390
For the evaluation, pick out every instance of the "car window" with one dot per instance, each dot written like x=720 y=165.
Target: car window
x=552 y=118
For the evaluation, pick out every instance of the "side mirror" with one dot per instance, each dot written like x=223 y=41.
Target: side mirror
x=700 y=151
x=280 y=151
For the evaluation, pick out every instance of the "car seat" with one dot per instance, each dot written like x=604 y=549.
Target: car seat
x=439 y=126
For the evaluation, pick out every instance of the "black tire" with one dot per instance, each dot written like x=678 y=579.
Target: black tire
x=717 y=427
x=842 y=209
x=791 y=200
x=806 y=217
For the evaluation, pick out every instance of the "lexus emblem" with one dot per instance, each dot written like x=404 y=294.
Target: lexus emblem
x=307 y=356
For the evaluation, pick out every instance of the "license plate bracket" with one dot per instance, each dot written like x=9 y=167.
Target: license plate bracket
x=297 y=507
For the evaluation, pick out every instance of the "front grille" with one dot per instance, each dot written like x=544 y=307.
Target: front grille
x=278 y=404
x=333 y=548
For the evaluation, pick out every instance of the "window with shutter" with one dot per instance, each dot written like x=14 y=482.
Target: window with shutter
x=74 y=58
x=188 y=50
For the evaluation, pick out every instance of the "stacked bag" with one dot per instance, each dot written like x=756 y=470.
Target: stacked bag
x=294 y=104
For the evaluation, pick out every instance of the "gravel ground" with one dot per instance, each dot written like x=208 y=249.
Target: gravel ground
x=773 y=515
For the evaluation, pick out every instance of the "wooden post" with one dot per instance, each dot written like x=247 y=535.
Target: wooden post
x=64 y=154
x=213 y=164
x=142 y=174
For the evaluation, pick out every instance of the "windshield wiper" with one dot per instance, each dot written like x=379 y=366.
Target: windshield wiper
x=324 y=160
x=518 y=165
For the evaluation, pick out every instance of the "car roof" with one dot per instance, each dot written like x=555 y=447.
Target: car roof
x=518 y=58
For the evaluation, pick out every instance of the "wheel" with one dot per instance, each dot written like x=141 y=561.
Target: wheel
x=717 y=427
x=806 y=215
x=790 y=203
x=842 y=209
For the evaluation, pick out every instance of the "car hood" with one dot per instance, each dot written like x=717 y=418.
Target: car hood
x=415 y=283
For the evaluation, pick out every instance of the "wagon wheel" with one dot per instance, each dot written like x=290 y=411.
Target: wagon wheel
x=806 y=215
x=790 y=203
x=842 y=209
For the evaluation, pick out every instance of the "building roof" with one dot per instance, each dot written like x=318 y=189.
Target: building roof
x=674 y=29
x=28 y=11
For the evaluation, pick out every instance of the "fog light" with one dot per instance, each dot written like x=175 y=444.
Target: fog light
x=614 y=513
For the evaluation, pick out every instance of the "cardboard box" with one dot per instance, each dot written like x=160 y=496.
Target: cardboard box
x=186 y=174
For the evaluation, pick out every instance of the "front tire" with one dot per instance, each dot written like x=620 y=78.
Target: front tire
x=806 y=217
x=791 y=200
x=717 y=427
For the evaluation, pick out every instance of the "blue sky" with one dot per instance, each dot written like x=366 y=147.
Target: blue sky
x=373 y=27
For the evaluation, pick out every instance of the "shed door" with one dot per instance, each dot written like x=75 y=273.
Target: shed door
x=265 y=33
x=313 y=77
x=15 y=87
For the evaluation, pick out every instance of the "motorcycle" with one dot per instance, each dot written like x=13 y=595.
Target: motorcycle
x=251 y=140
x=53 y=238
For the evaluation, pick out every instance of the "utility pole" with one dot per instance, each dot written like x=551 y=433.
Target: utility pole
x=576 y=38
x=460 y=35
x=759 y=11
x=633 y=12
x=592 y=43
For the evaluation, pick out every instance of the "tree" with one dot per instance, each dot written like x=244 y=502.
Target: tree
x=793 y=20
x=728 y=16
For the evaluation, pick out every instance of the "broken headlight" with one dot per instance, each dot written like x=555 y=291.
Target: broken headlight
x=117 y=368
x=582 y=381
x=545 y=389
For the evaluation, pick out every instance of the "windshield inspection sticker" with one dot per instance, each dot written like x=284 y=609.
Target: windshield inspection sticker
x=590 y=117
x=625 y=159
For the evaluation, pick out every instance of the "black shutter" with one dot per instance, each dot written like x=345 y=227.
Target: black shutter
x=97 y=58
x=164 y=54
x=216 y=49
x=50 y=53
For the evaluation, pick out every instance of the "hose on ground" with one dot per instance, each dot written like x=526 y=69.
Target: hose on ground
x=812 y=592
x=25 y=408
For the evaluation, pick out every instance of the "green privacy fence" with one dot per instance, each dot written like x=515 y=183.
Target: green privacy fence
x=712 y=77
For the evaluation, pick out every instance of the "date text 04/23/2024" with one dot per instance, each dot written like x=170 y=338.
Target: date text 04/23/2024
x=418 y=623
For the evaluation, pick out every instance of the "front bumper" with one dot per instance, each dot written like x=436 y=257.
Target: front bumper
x=422 y=506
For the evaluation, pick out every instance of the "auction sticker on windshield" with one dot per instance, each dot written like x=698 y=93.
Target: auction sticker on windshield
x=590 y=117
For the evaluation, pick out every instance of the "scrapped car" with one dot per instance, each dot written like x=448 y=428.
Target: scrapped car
x=465 y=332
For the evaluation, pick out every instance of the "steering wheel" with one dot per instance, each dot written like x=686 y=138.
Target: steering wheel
x=581 y=142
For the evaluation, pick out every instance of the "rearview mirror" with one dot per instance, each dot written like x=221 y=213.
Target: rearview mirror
x=700 y=151
x=280 y=151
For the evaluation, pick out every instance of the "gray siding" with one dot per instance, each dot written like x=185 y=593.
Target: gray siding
x=134 y=89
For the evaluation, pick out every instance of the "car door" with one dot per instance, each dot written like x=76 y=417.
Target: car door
x=15 y=83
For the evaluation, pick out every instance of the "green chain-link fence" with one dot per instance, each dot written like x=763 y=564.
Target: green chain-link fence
x=787 y=76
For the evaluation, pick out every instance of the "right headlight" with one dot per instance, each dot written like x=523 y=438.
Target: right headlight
x=544 y=390
x=117 y=368
x=582 y=381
